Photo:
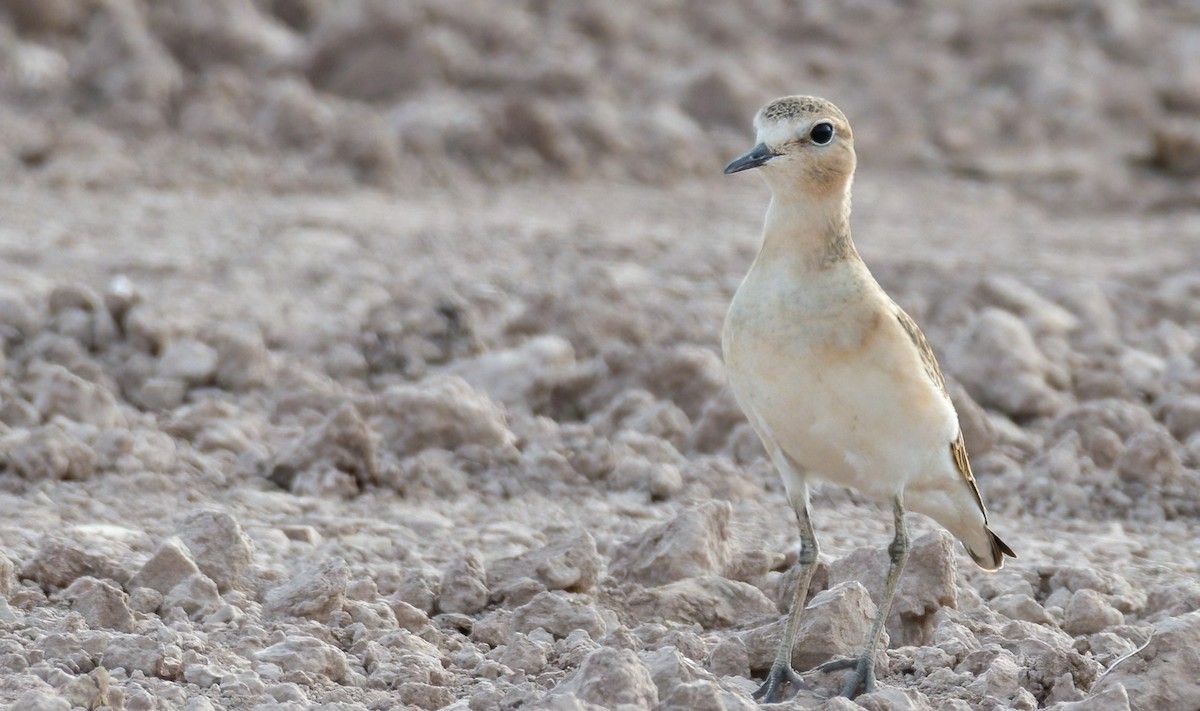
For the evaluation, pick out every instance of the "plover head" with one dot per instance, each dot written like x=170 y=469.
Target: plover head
x=804 y=143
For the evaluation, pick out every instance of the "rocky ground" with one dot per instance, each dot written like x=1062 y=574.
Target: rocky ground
x=340 y=388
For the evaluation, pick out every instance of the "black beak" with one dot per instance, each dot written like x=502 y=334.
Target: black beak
x=757 y=156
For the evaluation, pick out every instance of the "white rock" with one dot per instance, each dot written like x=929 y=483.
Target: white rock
x=694 y=543
x=559 y=614
x=1090 y=612
x=218 y=545
x=464 y=589
x=103 y=605
x=188 y=360
x=1001 y=366
x=171 y=564
x=613 y=678
x=668 y=668
x=61 y=392
x=443 y=412
x=928 y=583
x=515 y=377
x=571 y=564
x=307 y=654
x=835 y=624
x=1162 y=675
x=709 y=601
x=705 y=695
x=316 y=592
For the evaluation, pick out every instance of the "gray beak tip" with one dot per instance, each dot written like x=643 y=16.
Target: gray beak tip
x=756 y=157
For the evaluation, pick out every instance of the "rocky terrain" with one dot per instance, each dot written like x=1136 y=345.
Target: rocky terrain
x=363 y=355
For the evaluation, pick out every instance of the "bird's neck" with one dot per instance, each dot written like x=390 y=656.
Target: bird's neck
x=813 y=231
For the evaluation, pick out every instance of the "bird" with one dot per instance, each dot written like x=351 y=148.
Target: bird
x=835 y=378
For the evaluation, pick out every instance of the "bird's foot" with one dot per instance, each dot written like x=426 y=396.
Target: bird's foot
x=863 y=679
x=771 y=690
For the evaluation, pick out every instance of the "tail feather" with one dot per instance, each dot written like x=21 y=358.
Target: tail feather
x=993 y=558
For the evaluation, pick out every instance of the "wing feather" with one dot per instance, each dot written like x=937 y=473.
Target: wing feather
x=958 y=448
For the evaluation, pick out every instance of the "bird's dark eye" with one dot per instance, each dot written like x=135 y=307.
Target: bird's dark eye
x=821 y=134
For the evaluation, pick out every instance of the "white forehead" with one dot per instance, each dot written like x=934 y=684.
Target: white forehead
x=774 y=133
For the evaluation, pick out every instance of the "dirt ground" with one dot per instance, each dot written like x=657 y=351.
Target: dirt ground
x=366 y=356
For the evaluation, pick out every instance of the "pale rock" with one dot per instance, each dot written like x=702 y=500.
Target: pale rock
x=161 y=393
x=121 y=62
x=1162 y=674
x=891 y=698
x=1112 y=697
x=1041 y=314
x=1121 y=594
x=709 y=601
x=47 y=452
x=571 y=564
x=704 y=695
x=307 y=654
x=525 y=655
x=316 y=592
x=135 y=652
x=424 y=696
x=1150 y=459
x=612 y=678
x=103 y=605
x=835 y=624
x=559 y=613
x=61 y=392
x=442 y=412
x=41 y=701
x=1002 y=367
x=694 y=543
x=220 y=548
x=90 y=691
x=419 y=586
x=1001 y=678
x=464 y=590
x=668 y=669
x=1089 y=612
x=639 y=412
x=1106 y=647
x=196 y=595
x=58 y=563
x=1142 y=372
x=729 y=658
x=144 y=600
x=493 y=628
x=1173 y=599
x=1020 y=606
x=341 y=443
x=928 y=583
x=171 y=564
x=521 y=375
x=8 y=577
x=1001 y=583
x=189 y=361
x=1181 y=415
x=657 y=480
x=689 y=375
x=199 y=703
x=1050 y=661
x=243 y=361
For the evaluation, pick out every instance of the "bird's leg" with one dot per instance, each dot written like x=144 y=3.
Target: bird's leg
x=781 y=669
x=864 y=667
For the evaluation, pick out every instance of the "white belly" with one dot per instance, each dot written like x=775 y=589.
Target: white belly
x=831 y=378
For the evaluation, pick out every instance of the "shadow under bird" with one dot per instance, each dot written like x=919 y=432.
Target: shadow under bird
x=838 y=382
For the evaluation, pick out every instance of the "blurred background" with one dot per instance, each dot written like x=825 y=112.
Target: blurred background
x=1082 y=103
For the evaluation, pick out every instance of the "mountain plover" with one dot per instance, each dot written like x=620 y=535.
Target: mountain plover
x=836 y=379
